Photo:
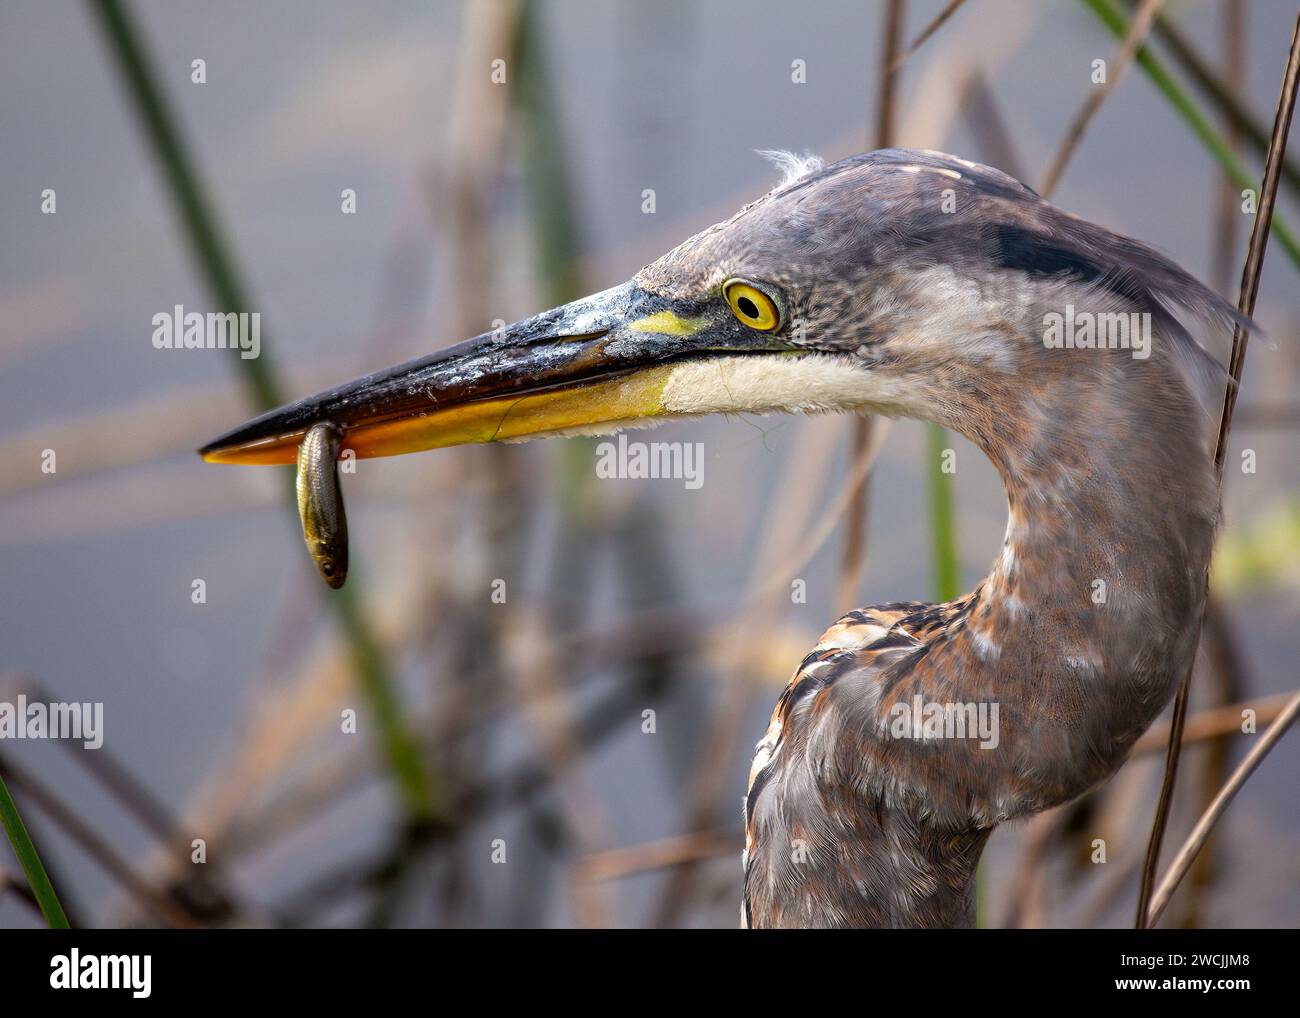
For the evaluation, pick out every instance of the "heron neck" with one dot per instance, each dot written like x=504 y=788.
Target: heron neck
x=1084 y=625
x=1087 y=618
x=1077 y=636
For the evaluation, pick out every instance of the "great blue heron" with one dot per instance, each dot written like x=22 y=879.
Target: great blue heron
x=908 y=284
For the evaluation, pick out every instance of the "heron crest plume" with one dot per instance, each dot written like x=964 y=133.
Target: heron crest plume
x=791 y=164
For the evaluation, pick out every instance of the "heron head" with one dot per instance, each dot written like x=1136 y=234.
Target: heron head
x=896 y=282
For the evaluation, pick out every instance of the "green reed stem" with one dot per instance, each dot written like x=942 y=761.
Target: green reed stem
x=37 y=879
x=1113 y=18
x=416 y=788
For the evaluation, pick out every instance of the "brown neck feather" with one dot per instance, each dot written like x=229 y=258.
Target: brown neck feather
x=1079 y=635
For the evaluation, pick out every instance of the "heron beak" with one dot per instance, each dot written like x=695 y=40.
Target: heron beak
x=592 y=364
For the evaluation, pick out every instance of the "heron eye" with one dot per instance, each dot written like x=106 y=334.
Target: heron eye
x=751 y=305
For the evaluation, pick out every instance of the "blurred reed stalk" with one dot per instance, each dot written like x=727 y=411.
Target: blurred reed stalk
x=855 y=520
x=1201 y=832
x=418 y=794
x=1113 y=18
x=544 y=680
x=28 y=858
x=70 y=820
x=936 y=23
x=1118 y=65
x=1226 y=670
x=1223 y=92
x=1148 y=912
x=466 y=179
x=943 y=526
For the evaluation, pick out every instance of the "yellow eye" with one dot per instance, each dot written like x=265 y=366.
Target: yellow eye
x=751 y=305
